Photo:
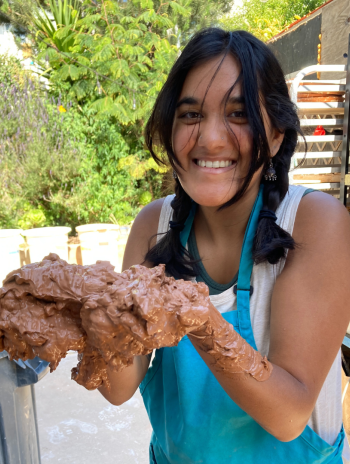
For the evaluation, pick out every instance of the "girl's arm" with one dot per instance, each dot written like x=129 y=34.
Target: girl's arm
x=125 y=383
x=310 y=311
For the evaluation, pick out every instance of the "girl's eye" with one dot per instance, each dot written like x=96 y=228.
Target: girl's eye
x=191 y=115
x=239 y=114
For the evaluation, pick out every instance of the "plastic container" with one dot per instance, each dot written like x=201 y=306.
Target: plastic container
x=46 y=240
x=99 y=242
x=19 y=438
x=10 y=241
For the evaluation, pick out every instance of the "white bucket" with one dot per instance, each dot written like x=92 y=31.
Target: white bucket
x=99 y=242
x=10 y=240
x=45 y=240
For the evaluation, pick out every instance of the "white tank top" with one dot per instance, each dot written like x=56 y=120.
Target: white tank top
x=326 y=418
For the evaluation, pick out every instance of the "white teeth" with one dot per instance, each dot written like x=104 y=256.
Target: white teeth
x=214 y=164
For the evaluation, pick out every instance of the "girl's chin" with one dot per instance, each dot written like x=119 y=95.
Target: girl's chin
x=211 y=200
x=207 y=204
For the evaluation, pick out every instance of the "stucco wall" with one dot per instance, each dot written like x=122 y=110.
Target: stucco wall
x=335 y=33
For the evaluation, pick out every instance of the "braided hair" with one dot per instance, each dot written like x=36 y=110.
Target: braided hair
x=262 y=79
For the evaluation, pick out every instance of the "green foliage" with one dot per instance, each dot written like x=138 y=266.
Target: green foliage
x=84 y=161
x=204 y=13
x=32 y=218
x=122 y=52
x=266 y=19
x=104 y=188
x=60 y=165
x=114 y=70
x=145 y=198
x=117 y=64
x=11 y=71
x=19 y=12
x=40 y=158
x=66 y=14
x=187 y=16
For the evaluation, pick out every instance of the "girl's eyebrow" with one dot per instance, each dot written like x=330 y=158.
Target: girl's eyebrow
x=194 y=101
x=239 y=99
x=187 y=101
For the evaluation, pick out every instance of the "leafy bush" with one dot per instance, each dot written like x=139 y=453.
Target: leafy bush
x=61 y=165
x=32 y=218
x=266 y=19
x=106 y=186
x=11 y=71
x=73 y=163
x=40 y=157
x=120 y=57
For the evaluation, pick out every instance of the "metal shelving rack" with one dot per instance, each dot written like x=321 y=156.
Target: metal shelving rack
x=344 y=173
x=326 y=165
x=320 y=169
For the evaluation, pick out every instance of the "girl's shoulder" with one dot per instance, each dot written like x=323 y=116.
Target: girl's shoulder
x=143 y=233
x=319 y=214
x=303 y=212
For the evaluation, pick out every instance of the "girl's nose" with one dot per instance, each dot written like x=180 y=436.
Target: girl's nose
x=212 y=141
x=212 y=138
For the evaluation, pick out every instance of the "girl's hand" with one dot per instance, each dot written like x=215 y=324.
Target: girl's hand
x=143 y=310
x=229 y=352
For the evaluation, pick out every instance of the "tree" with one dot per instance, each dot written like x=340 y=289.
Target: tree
x=266 y=19
x=201 y=13
x=204 y=13
x=66 y=13
x=60 y=165
x=20 y=13
x=40 y=154
x=115 y=68
x=106 y=63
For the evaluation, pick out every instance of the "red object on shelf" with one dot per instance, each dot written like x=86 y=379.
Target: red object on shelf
x=319 y=131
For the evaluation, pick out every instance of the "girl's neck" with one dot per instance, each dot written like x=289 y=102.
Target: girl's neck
x=228 y=224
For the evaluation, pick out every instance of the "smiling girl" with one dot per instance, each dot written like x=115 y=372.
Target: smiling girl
x=274 y=257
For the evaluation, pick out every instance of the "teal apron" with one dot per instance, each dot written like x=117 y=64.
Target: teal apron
x=193 y=418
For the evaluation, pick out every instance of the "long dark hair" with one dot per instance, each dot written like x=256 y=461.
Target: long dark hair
x=262 y=79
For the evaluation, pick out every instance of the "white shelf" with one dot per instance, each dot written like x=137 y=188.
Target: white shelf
x=318 y=186
x=322 y=122
x=321 y=138
x=318 y=154
x=331 y=108
x=315 y=170
x=321 y=88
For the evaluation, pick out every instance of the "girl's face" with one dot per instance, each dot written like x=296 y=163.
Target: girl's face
x=207 y=151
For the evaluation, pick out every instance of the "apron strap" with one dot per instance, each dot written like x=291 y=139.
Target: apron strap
x=243 y=289
x=185 y=233
x=245 y=272
x=246 y=262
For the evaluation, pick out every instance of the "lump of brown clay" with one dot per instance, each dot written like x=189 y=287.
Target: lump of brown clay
x=49 y=308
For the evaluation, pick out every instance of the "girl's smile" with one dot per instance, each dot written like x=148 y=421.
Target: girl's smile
x=215 y=166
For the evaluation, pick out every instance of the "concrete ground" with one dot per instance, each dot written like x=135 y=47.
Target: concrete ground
x=80 y=427
x=77 y=426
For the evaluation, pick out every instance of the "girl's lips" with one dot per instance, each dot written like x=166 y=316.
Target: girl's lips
x=215 y=170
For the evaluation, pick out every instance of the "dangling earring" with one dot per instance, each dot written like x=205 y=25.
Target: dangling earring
x=175 y=176
x=270 y=173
